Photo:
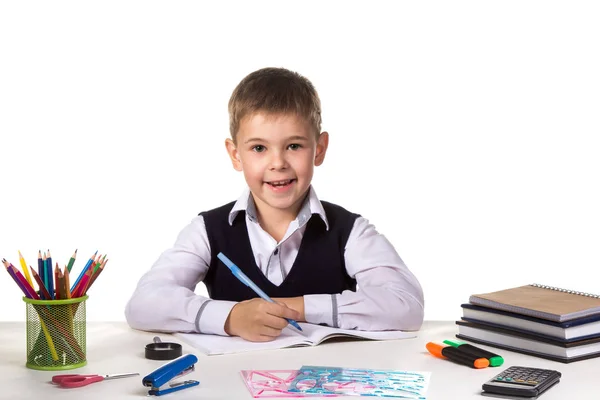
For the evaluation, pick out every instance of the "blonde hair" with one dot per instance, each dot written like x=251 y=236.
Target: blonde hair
x=274 y=91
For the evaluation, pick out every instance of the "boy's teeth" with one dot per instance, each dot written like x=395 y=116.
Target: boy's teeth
x=280 y=183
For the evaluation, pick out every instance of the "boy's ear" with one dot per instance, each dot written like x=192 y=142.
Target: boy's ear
x=233 y=154
x=322 y=143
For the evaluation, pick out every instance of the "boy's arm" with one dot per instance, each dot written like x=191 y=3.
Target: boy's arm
x=388 y=295
x=164 y=299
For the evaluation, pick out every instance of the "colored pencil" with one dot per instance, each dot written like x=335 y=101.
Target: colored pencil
x=50 y=286
x=40 y=269
x=44 y=295
x=95 y=275
x=67 y=282
x=20 y=280
x=58 y=280
x=100 y=261
x=85 y=282
x=80 y=289
x=45 y=276
x=72 y=260
x=52 y=322
x=49 y=340
x=83 y=271
x=24 y=268
x=32 y=295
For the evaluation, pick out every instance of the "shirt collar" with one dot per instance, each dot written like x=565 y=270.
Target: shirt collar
x=311 y=206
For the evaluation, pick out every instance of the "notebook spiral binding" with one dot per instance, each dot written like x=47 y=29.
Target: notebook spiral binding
x=566 y=290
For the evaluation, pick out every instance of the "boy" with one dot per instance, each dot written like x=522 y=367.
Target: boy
x=318 y=262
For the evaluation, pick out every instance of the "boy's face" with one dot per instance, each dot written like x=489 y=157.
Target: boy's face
x=277 y=154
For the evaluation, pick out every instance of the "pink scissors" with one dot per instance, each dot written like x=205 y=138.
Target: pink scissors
x=79 y=380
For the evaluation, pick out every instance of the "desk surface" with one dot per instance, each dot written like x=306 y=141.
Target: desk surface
x=115 y=348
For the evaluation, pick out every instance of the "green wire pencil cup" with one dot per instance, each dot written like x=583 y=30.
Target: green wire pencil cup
x=56 y=333
x=56 y=321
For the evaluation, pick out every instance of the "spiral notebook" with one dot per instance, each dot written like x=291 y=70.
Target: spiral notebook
x=540 y=301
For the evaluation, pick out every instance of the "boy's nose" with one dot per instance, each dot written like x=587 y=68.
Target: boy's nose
x=278 y=161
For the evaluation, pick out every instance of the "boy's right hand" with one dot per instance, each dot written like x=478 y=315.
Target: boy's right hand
x=258 y=320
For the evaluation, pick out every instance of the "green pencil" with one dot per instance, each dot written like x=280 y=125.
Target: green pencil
x=72 y=261
x=97 y=265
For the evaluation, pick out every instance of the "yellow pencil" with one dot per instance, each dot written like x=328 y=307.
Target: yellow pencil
x=49 y=340
x=25 y=270
x=44 y=328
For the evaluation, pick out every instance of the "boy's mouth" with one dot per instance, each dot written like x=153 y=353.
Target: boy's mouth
x=281 y=183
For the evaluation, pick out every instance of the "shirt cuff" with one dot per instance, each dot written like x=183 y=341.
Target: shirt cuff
x=212 y=316
x=321 y=309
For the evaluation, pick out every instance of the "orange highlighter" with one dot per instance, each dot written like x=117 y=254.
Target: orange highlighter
x=454 y=354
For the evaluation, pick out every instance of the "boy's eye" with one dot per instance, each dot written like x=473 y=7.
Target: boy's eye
x=294 y=146
x=259 y=148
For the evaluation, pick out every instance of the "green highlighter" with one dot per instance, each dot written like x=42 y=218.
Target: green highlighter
x=494 y=359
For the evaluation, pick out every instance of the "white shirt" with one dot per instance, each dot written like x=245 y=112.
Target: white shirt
x=388 y=295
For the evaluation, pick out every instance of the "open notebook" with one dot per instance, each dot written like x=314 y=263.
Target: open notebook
x=312 y=335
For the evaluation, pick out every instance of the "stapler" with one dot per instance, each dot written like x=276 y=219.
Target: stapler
x=160 y=379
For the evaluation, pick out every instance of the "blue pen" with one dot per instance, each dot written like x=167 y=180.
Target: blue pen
x=235 y=270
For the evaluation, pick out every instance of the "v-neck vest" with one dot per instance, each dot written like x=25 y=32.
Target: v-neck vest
x=319 y=267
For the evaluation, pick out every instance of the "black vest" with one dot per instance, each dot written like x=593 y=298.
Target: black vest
x=319 y=267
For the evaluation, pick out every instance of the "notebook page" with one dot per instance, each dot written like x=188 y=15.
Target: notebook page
x=318 y=333
x=215 y=344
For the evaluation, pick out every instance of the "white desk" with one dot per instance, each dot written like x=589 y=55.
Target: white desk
x=115 y=348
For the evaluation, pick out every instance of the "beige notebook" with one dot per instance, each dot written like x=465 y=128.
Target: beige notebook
x=539 y=301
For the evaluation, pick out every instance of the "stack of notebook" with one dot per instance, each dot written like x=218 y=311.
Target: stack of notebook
x=543 y=321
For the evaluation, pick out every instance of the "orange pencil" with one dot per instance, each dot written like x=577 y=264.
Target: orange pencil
x=56 y=292
x=67 y=282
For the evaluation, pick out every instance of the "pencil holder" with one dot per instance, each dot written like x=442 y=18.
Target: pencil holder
x=56 y=332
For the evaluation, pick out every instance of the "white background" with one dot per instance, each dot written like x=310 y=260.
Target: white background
x=466 y=131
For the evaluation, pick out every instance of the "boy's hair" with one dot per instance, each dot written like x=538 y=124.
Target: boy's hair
x=274 y=91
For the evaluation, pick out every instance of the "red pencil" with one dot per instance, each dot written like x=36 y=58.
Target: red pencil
x=95 y=276
x=43 y=291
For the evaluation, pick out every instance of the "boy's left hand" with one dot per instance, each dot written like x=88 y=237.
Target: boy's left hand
x=295 y=303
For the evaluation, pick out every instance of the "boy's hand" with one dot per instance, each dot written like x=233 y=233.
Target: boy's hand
x=258 y=320
x=295 y=303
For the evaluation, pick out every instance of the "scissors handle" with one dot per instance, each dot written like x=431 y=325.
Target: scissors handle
x=75 y=381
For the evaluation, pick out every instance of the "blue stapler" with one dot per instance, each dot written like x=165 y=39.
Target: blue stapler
x=160 y=379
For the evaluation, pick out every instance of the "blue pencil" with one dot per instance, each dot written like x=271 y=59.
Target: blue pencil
x=45 y=273
x=50 y=275
x=87 y=265
x=41 y=272
x=235 y=270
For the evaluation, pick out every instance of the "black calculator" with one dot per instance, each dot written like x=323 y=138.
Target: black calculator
x=521 y=383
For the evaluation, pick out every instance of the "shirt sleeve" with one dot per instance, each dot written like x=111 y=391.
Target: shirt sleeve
x=388 y=295
x=164 y=299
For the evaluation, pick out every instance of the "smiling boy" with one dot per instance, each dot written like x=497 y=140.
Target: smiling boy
x=321 y=263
